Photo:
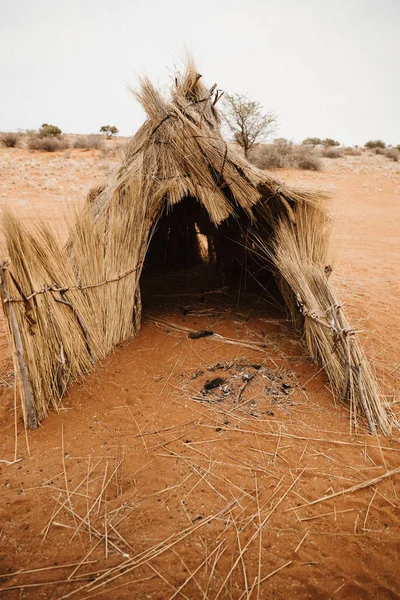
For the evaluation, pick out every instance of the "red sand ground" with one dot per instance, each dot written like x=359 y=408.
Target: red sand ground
x=201 y=496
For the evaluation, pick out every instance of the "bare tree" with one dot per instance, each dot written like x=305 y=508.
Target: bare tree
x=247 y=121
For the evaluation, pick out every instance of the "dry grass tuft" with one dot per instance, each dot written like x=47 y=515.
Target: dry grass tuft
x=351 y=151
x=393 y=154
x=380 y=151
x=88 y=142
x=10 y=139
x=306 y=159
x=330 y=152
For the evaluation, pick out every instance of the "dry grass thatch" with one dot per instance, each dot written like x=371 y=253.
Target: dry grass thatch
x=300 y=253
x=67 y=307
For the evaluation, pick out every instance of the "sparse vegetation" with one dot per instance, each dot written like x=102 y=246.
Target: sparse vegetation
x=372 y=144
x=331 y=152
x=352 y=151
x=88 y=142
x=247 y=121
x=109 y=130
x=47 y=130
x=267 y=156
x=316 y=141
x=10 y=139
x=304 y=158
x=285 y=154
x=393 y=154
x=46 y=144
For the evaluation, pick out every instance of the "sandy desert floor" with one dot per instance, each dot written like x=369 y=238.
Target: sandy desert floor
x=146 y=486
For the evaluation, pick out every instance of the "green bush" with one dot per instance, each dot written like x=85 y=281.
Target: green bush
x=109 y=130
x=47 y=130
x=10 y=139
x=312 y=141
x=329 y=142
x=372 y=144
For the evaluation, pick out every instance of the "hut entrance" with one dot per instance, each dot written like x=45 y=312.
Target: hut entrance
x=187 y=252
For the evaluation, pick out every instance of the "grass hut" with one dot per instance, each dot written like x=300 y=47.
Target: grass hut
x=68 y=306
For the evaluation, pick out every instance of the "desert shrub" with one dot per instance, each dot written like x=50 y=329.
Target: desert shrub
x=285 y=154
x=350 y=151
x=47 y=130
x=375 y=144
x=88 y=142
x=266 y=156
x=10 y=139
x=393 y=154
x=330 y=152
x=305 y=157
x=312 y=141
x=329 y=142
x=379 y=150
x=46 y=144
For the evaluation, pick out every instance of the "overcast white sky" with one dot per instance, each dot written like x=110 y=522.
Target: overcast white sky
x=328 y=68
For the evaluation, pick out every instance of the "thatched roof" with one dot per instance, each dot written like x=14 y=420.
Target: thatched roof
x=69 y=306
x=179 y=151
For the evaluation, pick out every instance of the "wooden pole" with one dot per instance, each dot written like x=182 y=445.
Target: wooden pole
x=31 y=419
